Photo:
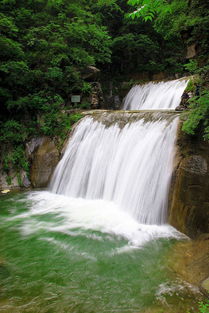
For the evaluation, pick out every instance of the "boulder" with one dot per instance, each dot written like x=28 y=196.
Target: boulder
x=90 y=72
x=205 y=287
x=44 y=158
x=189 y=196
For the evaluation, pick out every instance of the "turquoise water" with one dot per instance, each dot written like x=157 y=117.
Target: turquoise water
x=48 y=268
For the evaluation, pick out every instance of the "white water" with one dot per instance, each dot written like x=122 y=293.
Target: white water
x=155 y=96
x=129 y=166
x=75 y=217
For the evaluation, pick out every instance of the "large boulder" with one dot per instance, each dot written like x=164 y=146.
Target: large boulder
x=44 y=157
x=189 y=193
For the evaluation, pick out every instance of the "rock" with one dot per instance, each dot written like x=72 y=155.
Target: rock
x=43 y=157
x=195 y=164
x=32 y=145
x=90 y=72
x=96 y=97
x=191 y=51
x=13 y=180
x=26 y=183
x=189 y=260
x=189 y=191
x=180 y=108
x=44 y=160
x=159 y=76
x=205 y=287
x=113 y=102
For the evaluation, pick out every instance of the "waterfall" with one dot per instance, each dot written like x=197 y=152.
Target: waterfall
x=125 y=158
x=157 y=96
x=128 y=162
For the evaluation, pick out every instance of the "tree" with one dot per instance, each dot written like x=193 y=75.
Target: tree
x=148 y=9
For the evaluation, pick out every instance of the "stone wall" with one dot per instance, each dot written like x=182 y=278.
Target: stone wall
x=189 y=192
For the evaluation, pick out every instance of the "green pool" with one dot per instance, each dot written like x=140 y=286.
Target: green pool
x=61 y=255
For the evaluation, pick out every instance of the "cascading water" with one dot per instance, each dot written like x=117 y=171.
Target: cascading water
x=155 y=96
x=130 y=165
x=121 y=164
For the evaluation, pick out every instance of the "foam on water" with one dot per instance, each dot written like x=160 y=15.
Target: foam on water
x=79 y=215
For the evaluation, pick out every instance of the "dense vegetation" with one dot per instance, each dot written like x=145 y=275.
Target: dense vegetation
x=44 y=46
x=47 y=45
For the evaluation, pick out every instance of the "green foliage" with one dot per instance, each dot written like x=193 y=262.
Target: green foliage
x=15 y=159
x=14 y=135
x=85 y=105
x=9 y=180
x=199 y=115
x=44 y=47
x=147 y=9
x=57 y=123
x=204 y=307
x=86 y=88
x=136 y=46
x=12 y=131
x=192 y=66
x=194 y=81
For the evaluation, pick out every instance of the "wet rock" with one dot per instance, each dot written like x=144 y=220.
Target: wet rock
x=189 y=196
x=44 y=160
x=205 y=287
x=180 y=108
x=195 y=164
x=189 y=260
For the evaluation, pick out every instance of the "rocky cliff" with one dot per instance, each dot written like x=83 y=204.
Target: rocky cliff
x=189 y=192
